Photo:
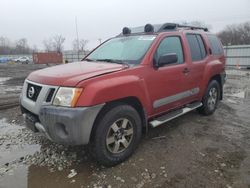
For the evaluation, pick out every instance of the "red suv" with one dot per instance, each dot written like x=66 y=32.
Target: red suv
x=143 y=77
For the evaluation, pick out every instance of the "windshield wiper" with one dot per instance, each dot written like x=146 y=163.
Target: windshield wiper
x=113 y=61
x=88 y=59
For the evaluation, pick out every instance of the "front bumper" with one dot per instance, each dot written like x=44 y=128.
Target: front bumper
x=70 y=126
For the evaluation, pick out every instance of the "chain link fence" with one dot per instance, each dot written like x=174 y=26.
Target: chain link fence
x=237 y=56
x=238 y=62
x=238 y=70
x=70 y=56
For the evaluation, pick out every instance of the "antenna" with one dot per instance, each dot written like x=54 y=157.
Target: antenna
x=100 y=40
x=77 y=39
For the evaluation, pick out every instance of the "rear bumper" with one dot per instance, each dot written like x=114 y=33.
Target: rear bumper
x=223 y=76
x=69 y=126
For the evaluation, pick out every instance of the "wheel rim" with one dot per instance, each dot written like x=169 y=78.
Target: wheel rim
x=212 y=98
x=119 y=136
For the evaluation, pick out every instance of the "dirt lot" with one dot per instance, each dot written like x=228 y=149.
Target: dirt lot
x=191 y=151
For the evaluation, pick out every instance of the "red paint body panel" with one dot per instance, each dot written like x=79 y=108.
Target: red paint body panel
x=125 y=83
x=71 y=74
x=105 y=82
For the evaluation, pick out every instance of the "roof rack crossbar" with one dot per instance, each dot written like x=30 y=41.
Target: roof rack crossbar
x=171 y=26
x=158 y=28
x=193 y=27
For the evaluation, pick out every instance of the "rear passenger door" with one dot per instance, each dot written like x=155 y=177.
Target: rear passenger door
x=198 y=55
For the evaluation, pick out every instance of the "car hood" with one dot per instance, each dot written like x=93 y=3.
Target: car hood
x=71 y=74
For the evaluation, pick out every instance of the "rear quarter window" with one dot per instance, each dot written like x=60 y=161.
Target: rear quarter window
x=215 y=45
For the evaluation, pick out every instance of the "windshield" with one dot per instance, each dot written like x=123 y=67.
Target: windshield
x=129 y=49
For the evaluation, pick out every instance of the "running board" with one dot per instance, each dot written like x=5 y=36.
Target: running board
x=174 y=114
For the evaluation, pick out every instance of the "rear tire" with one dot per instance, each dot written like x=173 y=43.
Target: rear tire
x=211 y=98
x=117 y=133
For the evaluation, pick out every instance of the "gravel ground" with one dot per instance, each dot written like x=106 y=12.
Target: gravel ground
x=191 y=151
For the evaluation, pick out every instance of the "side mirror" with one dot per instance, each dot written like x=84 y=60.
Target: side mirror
x=167 y=59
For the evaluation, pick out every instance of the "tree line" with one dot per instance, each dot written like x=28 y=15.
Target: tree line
x=236 y=34
x=56 y=44
x=52 y=44
x=19 y=47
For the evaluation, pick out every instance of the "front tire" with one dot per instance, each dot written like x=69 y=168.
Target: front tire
x=211 y=98
x=117 y=133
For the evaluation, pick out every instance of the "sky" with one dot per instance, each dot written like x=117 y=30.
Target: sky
x=38 y=20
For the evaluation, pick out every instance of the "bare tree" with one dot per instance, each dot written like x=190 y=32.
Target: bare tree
x=22 y=46
x=5 y=46
x=54 y=43
x=48 y=45
x=81 y=46
x=4 y=41
x=196 y=23
x=57 y=43
x=237 y=34
x=34 y=49
x=19 y=47
x=75 y=45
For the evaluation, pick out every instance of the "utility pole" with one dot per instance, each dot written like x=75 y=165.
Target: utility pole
x=77 y=38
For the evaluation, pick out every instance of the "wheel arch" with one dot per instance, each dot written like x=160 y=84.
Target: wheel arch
x=132 y=101
x=218 y=78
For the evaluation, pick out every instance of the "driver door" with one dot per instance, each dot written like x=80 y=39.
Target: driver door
x=169 y=86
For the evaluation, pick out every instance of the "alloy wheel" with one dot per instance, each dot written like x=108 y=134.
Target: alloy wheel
x=119 y=136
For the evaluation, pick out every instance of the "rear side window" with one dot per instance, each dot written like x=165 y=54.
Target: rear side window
x=202 y=46
x=170 y=45
x=197 y=48
x=215 y=45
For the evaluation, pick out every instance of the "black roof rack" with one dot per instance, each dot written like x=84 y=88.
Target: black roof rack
x=148 y=28
x=169 y=26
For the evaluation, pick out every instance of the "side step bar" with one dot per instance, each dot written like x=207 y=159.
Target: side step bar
x=174 y=114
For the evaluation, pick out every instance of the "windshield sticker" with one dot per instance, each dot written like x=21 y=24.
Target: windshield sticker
x=146 y=38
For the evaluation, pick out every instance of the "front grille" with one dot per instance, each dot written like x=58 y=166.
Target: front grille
x=50 y=95
x=33 y=91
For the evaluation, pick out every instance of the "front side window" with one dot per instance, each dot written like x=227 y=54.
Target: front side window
x=129 y=49
x=170 y=45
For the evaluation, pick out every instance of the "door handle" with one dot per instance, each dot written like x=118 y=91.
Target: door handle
x=185 y=71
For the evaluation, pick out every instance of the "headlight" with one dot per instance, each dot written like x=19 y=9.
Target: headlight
x=67 y=96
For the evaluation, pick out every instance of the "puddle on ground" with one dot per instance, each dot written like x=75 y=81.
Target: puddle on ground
x=242 y=94
x=10 y=89
x=10 y=149
x=10 y=153
x=14 y=172
x=6 y=127
x=40 y=177
x=4 y=79
x=237 y=72
x=7 y=89
x=15 y=178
